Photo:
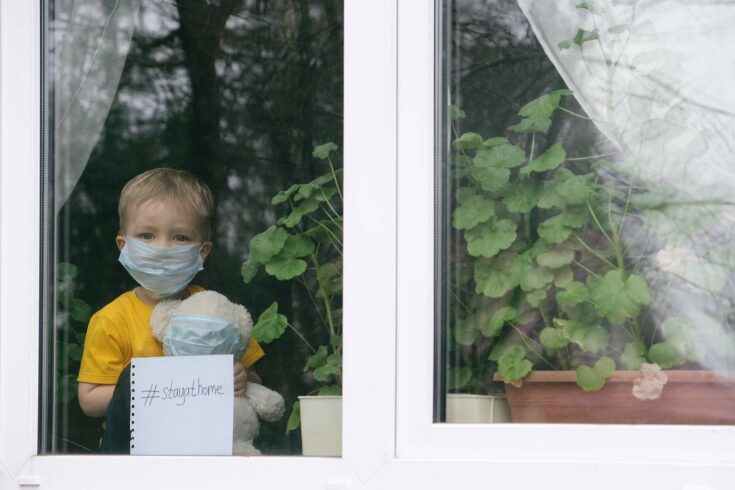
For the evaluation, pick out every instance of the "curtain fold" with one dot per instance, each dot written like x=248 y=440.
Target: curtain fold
x=655 y=77
x=92 y=40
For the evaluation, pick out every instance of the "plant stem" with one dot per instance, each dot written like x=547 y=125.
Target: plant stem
x=587 y=269
x=591 y=157
x=338 y=245
x=599 y=225
x=457 y=298
x=525 y=338
x=326 y=199
x=314 y=301
x=334 y=176
x=577 y=115
x=594 y=252
x=301 y=337
x=327 y=304
x=333 y=219
x=627 y=206
x=544 y=318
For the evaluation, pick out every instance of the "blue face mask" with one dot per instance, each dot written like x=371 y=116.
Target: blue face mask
x=199 y=335
x=163 y=271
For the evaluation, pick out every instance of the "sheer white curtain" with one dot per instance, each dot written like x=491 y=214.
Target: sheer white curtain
x=656 y=78
x=92 y=39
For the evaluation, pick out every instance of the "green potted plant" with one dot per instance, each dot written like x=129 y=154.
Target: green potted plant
x=305 y=245
x=558 y=256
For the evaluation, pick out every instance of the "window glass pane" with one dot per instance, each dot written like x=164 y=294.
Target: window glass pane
x=588 y=189
x=245 y=96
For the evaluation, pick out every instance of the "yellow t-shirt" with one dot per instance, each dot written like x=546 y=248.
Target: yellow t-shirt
x=120 y=331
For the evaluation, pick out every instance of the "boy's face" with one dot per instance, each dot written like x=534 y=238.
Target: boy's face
x=166 y=223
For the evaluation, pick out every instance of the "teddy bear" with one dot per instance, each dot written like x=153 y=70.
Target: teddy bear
x=208 y=323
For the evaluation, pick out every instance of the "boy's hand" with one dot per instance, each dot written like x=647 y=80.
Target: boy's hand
x=241 y=379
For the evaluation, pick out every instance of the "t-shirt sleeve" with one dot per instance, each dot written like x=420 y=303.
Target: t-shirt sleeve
x=252 y=353
x=104 y=357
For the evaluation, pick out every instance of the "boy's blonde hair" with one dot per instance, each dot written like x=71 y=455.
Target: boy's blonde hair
x=167 y=183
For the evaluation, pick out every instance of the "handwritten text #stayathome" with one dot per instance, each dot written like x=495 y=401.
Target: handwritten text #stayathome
x=179 y=394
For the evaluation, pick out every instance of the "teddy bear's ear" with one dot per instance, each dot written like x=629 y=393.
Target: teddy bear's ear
x=243 y=322
x=161 y=317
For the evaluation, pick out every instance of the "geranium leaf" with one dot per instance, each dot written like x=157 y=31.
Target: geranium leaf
x=487 y=239
x=584 y=36
x=473 y=211
x=294 y=420
x=66 y=271
x=633 y=355
x=619 y=299
x=490 y=179
x=297 y=246
x=555 y=258
x=548 y=160
x=535 y=298
x=267 y=244
x=500 y=156
x=512 y=364
x=561 y=226
x=294 y=218
x=465 y=331
x=574 y=294
x=323 y=151
x=589 y=338
x=270 y=325
x=248 y=270
x=667 y=355
x=553 y=338
x=494 y=278
x=594 y=378
x=530 y=276
x=468 y=141
x=284 y=195
x=330 y=390
x=285 y=268
x=563 y=277
x=456 y=113
x=319 y=358
x=537 y=113
x=79 y=310
x=522 y=197
x=497 y=321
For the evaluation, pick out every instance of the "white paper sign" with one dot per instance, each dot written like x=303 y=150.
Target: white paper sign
x=181 y=405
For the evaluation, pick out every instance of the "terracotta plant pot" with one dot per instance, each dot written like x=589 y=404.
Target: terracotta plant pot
x=689 y=397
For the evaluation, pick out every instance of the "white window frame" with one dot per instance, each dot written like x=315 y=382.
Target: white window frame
x=389 y=440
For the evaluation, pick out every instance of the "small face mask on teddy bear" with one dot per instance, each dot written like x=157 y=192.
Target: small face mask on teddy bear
x=200 y=335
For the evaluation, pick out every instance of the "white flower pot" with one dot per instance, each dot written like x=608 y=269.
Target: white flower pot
x=477 y=409
x=321 y=425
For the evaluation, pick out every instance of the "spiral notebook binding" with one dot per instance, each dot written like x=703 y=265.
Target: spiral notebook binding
x=132 y=405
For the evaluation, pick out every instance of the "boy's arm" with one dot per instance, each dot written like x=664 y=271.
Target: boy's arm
x=94 y=399
x=241 y=377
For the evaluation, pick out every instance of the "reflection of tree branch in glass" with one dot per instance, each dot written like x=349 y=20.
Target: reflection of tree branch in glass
x=201 y=28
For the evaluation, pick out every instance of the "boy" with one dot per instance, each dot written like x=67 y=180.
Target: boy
x=163 y=241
